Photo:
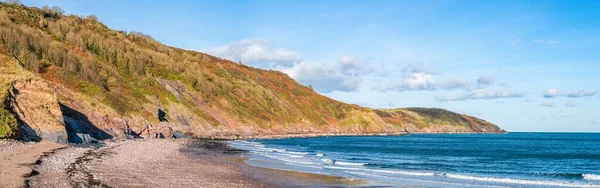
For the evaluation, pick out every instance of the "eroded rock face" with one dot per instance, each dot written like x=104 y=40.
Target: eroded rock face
x=36 y=108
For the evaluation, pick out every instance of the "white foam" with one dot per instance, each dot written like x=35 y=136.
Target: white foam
x=365 y=174
x=246 y=144
x=342 y=163
x=343 y=168
x=403 y=172
x=349 y=163
x=518 y=181
x=290 y=155
x=301 y=165
x=287 y=160
x=591 y=177
x=296 y=153
x=371 y=171
x=278 y=150
x=320 y=155
x=327 y=161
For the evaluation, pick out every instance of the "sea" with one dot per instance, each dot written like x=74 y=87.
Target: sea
x=439 y=160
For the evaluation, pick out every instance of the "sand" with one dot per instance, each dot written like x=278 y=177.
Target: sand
x=16 y=157
x=144 y=163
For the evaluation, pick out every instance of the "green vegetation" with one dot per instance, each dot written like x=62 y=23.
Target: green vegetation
x=431 y=117
x=7 y=124
x=89 y=88
x=122 y=69
x=129 y=70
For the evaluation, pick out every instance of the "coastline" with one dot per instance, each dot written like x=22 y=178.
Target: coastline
x=150 y=163
x=222 y=152
x=63 y=163
x=308 y=135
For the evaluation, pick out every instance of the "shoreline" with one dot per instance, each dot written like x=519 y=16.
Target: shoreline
x=310 y=135
x=270 y=176
x=67 y=164
x=153 y=163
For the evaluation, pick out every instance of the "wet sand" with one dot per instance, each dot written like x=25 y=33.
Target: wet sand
x=16 y=157
x=151 y=163
x=223 y=153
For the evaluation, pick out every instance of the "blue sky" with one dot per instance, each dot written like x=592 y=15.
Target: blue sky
x=524 y=65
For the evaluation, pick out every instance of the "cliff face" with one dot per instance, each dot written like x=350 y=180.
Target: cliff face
x=66 y=78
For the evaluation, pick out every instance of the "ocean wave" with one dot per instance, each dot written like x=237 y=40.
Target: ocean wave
x=320 y=155
x=342 y=163
x=343 y=168
x=267 y=150
x=290 y=155
x=591 y=177
x=288 y=160
x=518 y=181
x=348 y=163
x=328 y=161
x=561 y=175
x=365 y=174
x=297 y=153
x=378 y=171
x=404 y=172
x=277 y=150
x=245 y=144
x=301 y=165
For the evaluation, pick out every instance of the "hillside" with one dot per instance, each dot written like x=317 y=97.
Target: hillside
x=70 y=78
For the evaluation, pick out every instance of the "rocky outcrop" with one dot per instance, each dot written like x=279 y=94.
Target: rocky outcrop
x=46 y=111
x=38 y=113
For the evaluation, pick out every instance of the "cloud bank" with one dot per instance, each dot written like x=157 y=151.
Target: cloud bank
x=551 y=93
x=344 y=75
x=554 y=92
x=480 y=94
x=257 y=53
x=415 y=77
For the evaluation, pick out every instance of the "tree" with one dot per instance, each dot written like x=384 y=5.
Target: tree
x=92 y=18
x=14 y=2
x=57 y=10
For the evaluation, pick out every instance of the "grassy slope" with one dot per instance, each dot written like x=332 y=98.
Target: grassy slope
x=432 y=117
x=127 y=71
x=9 y=73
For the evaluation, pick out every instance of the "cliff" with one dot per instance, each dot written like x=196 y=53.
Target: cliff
x=68 y=78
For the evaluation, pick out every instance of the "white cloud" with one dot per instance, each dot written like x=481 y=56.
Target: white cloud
x=571 y=104
x=414 y=77
x=545 y=41
x=418 y=81
x=486 y=80
x=346 y=75
x=552 y=93
x=582 y=93
x=456 y=83
x=419 y=77
x=257 y=53
x=547 y=104
x=480 y=94
x=513 y=41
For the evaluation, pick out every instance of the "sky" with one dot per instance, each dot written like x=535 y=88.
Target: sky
x=528 y=66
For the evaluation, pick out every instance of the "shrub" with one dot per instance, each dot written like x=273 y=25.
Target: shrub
x=7 y=123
